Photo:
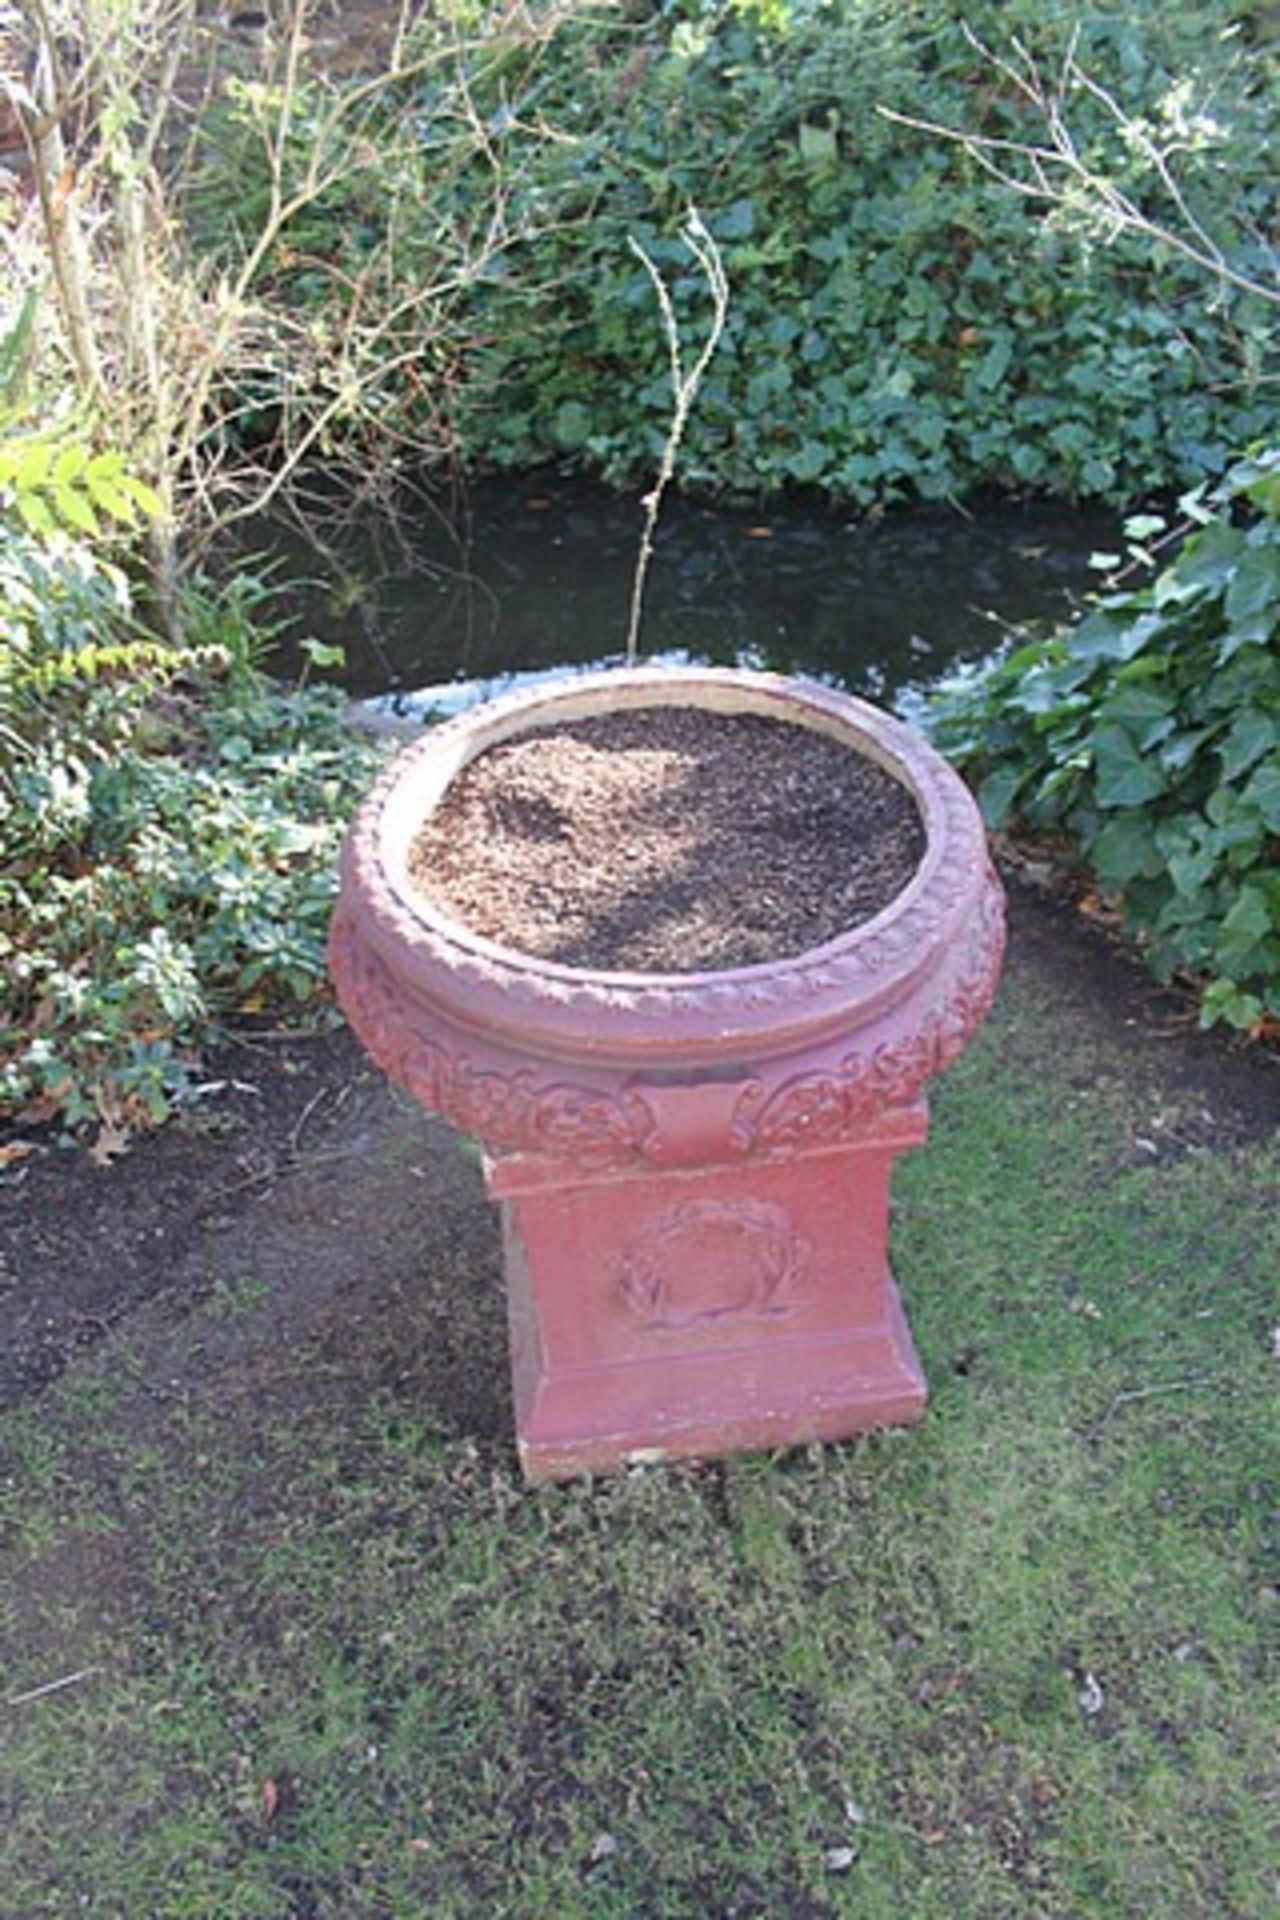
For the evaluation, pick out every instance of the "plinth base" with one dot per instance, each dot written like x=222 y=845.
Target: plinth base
x=776 y=1395
x=709 y=1311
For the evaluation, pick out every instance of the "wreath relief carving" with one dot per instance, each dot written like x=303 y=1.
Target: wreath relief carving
x=710 y=1262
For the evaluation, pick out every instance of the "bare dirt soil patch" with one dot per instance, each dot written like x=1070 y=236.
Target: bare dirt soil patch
x=290 y=1218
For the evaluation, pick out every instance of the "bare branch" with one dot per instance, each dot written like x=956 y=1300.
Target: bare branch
x=684 y=389
x=1056 y=171
x=171 y=351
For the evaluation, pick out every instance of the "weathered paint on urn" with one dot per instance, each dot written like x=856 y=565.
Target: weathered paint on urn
x=693 y=1169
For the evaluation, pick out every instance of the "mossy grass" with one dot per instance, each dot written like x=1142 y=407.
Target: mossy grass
x=337 y=1662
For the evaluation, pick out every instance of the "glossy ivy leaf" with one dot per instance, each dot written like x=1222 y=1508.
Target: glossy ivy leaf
x=1147 y=713
x=1251 y=918
x=1225 y=808
x=1192 y=505
x=1190 y=871
x=1209 y=559
x=1126 y=849
x=1252 y=735
x=996 y=794
x=1263 y=792
x=1181 y=749
x=994 y=364
x=1258 y=480
x=1252 y=603
x=1041 y=691
x=806 y=464
x=819 y=145
x=1224 y=1000
x=738 y=221
x=1111 y=633
x=572 y=424
x=1127 y=777
x=1068 y=772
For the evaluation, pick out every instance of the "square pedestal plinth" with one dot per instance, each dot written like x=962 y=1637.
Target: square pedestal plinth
x=708 y=1311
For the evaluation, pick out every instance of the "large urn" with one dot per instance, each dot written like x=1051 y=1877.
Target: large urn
x=693 y=1169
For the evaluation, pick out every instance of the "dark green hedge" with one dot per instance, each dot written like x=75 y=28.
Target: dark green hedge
x=900 y=324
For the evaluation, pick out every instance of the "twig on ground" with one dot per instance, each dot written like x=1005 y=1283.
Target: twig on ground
x=51 y=1686
x=303 y=1118
x=1144 y=1393
x=280 y=1169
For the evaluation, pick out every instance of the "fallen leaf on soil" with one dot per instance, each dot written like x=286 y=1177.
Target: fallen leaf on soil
x=110 y=1144
x=270 y=1799
x=16 y=1150
x=1043 y=1791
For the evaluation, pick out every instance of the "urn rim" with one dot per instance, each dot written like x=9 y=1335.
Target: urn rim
x=857 y=974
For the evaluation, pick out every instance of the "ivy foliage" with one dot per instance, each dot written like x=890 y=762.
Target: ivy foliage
x=900 y=324
x=1149 y=734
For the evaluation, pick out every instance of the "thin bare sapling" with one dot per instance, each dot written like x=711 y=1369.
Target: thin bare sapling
x=685 y=382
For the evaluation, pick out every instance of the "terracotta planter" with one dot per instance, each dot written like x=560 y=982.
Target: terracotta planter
x=693 y=1170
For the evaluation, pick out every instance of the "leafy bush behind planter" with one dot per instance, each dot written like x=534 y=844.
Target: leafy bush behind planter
x=169 y=820
x=900 y=325
x=1149 y=734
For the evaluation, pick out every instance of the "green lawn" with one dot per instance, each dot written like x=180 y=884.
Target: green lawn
x=1010 y=1663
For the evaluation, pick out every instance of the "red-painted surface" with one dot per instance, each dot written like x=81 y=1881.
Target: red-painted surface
x=693 y=1170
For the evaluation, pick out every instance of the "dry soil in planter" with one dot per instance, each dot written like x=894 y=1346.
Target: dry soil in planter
x=668 y=839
